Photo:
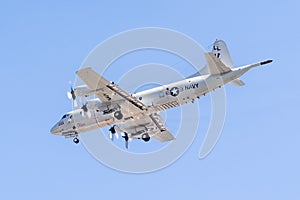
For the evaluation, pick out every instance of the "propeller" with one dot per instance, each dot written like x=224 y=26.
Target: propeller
x=126 y=138
x=71 y=95
x=113 y=133
x=86 y=110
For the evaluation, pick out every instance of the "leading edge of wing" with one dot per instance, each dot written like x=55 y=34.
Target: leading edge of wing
x=96 y=82
x=92 y=79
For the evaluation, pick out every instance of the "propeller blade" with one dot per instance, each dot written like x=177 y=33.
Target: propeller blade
x=126 y=140
x=113 y=133
x=69 y=95
x=89 y=114
x=75 y=103
x=73 y=94
x=84 y=108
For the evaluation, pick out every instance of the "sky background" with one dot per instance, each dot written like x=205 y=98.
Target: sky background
x=44 y=43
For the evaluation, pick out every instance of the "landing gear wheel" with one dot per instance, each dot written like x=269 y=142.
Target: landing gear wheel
x=76 y=140
x=118 y=115
x=146 y=137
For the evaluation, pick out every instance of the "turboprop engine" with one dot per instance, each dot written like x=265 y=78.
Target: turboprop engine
x=79 y=91
x=83 y=91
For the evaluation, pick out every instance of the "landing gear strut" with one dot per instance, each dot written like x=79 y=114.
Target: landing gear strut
x=75 y=140
x=126 y=138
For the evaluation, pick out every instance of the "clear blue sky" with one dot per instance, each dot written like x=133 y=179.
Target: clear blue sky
x=44 y=43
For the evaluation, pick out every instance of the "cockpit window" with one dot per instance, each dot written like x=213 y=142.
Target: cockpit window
x=65 y=116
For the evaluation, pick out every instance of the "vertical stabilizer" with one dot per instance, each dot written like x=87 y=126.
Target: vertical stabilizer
x=221 y=51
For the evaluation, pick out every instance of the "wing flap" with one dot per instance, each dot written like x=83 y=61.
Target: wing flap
x=107 y=91
x=126 y=96
x=148 y=124
x=164 y=136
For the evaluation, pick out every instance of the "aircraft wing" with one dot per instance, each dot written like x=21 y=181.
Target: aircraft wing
x=163 y=135
x=152 y=125
x=109 y=92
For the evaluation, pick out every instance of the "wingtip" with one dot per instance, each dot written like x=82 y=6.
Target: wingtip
x=82 y=69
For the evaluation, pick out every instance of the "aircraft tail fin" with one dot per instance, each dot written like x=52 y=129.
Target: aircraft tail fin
x=218 y=62
x=221 y=51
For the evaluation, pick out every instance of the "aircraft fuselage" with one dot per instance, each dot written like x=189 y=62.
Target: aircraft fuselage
x=156 y=99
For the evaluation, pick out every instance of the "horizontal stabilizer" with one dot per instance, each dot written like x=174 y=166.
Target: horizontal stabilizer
x=215 y=66
x=237 y=82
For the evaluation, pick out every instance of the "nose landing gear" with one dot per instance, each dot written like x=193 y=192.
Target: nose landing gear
x=73 y=135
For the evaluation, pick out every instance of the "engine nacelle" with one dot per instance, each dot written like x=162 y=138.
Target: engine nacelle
x=141 y=130
x=83 y=91
x=106 y=108
x=94 y=104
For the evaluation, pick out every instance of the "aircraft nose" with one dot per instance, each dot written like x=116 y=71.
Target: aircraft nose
x=54 y=130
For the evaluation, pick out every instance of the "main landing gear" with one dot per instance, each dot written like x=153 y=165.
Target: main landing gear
x=75 y=140
x=146 y=137
x=118 y=115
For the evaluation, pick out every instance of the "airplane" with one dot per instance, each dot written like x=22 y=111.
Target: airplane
x=136 y=116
